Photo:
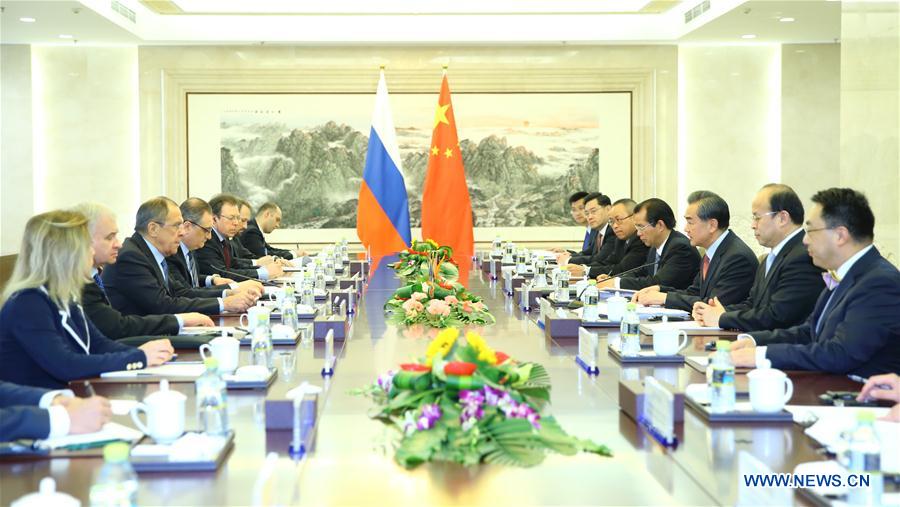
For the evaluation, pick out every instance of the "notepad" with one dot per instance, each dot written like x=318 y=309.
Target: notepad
x=688 y=326
x=166 y=370
x=198 y=330
x=110 y=431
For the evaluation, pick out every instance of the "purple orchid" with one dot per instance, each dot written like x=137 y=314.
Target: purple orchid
x=429 y=416
x=386 y=380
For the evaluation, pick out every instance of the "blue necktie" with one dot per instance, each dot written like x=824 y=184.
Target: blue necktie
x=99 y=282
x=770 y=259
x=193 y=269
x=165 y=271
x=587 y=241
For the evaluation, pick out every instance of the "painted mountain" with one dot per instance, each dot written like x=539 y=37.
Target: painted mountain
x=517 y=177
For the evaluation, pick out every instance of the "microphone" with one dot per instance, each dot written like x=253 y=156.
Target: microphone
x=632 y=270
x=264 y=282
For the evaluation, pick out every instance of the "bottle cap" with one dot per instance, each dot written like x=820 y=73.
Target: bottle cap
x=631 y=307
x=866 y=416
x=723 y=345
x=211 y=363
x=116 y=452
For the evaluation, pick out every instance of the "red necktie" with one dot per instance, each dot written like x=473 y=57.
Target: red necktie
x=599 y=242
x=227 y=253
x=705 y=266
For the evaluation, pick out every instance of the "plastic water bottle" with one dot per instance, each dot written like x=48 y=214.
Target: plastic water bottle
x=289 y=313
x=308 y=298
x=863 y=456
x=115 y=484
x=562 y=285
x=721 y=381
x=591 y=298
x=212 y=400
x=320 y=281
x=261 y=347
x=630 y=329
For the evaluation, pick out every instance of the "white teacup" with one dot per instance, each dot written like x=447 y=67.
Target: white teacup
x=275 y=294
x=770 y=389
x=253 y=317
x=615 y=308
x=666 y=342
x=165 y=414
x=225 y=349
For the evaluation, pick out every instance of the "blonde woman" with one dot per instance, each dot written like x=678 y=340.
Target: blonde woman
x=45 y=338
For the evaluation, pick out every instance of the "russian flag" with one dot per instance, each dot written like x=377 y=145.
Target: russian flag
x=382 y=220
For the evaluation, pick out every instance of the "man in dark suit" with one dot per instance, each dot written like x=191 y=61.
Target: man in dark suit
x=627 y=251
x=139 y=283
x=854 y=327
x=105 y=241
x=787 y=283
x=197 y=230
x=726 y=269
x=576 y=208
x=268 y=218
x=674 y=261
x=600 y=239
x=218 y=257
x=36 y=413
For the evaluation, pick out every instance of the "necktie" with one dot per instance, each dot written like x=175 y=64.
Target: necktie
x=99 y=282
x=226 y=251
x=770 y=259
x=192 y=266
x=599 y=242
x=587 y=240
x=831 y=280
x=655 y=261
x=705 y=265
x=165 y=271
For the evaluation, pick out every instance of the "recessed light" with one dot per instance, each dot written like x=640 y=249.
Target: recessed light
x=748 y=36
x=27 y=20
x=65 y=36
x=786 y=20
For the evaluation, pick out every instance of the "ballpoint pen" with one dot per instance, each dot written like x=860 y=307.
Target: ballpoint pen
x=89 y=389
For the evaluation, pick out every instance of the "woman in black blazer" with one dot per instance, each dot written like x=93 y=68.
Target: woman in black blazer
x=45 y=338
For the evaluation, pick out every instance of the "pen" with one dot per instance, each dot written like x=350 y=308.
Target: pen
x=89 y=389
x=863 y=380
x=88 y=445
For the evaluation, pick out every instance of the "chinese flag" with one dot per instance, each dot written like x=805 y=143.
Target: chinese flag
x=446 y=208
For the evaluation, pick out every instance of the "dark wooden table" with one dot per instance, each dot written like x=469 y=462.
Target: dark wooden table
x=353 y=460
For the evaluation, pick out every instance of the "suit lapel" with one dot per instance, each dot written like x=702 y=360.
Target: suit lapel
x=715 y=262
x=154 y=267
x=779 y=260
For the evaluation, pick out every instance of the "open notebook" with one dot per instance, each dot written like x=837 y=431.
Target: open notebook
x=166 y=370
x=110 y=431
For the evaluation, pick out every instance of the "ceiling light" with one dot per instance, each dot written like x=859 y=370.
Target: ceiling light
x=27 y=20
x=786 y=20
x=748 y=36
x=65 y=36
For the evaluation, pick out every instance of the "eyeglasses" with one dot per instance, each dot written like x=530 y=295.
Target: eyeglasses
x=757 y=218
x=164 y=225
x=592 y=211
x=641 y=227
x=230 y=218
x=207 y=230
x=816 y=229
x=617 y=220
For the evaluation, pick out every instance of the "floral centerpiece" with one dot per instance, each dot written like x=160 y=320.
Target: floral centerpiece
x=426 y=259
x=469 y=404
x=432 y=295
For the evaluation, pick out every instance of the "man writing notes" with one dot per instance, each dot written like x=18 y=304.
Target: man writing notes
x=196 y=231
x=673 y=261
x=854 y=326
x=139 y=283
x=727 y=268
x=268 y=218
x=218 y=257
x=787 y=283
x=36 y=413
x=105 y=242
x=601 y=239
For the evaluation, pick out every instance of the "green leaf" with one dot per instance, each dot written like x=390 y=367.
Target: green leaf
x=420 y=446
x=515 y=443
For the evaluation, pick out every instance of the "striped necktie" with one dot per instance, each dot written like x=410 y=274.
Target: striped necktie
x=226 y=252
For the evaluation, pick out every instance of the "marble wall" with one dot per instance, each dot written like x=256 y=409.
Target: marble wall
x=870 y=113
x=16 y=178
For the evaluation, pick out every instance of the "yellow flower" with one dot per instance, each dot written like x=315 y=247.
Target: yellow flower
x=432 y=243
x=485 y=353
x=441 y=345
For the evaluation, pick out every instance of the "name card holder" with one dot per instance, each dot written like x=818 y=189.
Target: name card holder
x=359 y=267
x=328 y=367
x=493 y=268
x=530 y=299
x=546 y=309
x=588 y=351
x=346 y=297
x=560 y=324
x=337 y=325
x=658 y=416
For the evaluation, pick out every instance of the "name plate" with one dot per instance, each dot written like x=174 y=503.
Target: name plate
x=659 y=411
x=546 y=309
x=588 y=351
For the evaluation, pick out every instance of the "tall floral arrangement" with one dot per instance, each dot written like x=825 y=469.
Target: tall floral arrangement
x=466 y=403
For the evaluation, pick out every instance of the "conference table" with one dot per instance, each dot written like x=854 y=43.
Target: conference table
x=352 y=460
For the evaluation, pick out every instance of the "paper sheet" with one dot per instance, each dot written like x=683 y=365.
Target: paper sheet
x=688 y=325
x=196 y=330
x=122 y=407
x=110 y=431
x=166 y=370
